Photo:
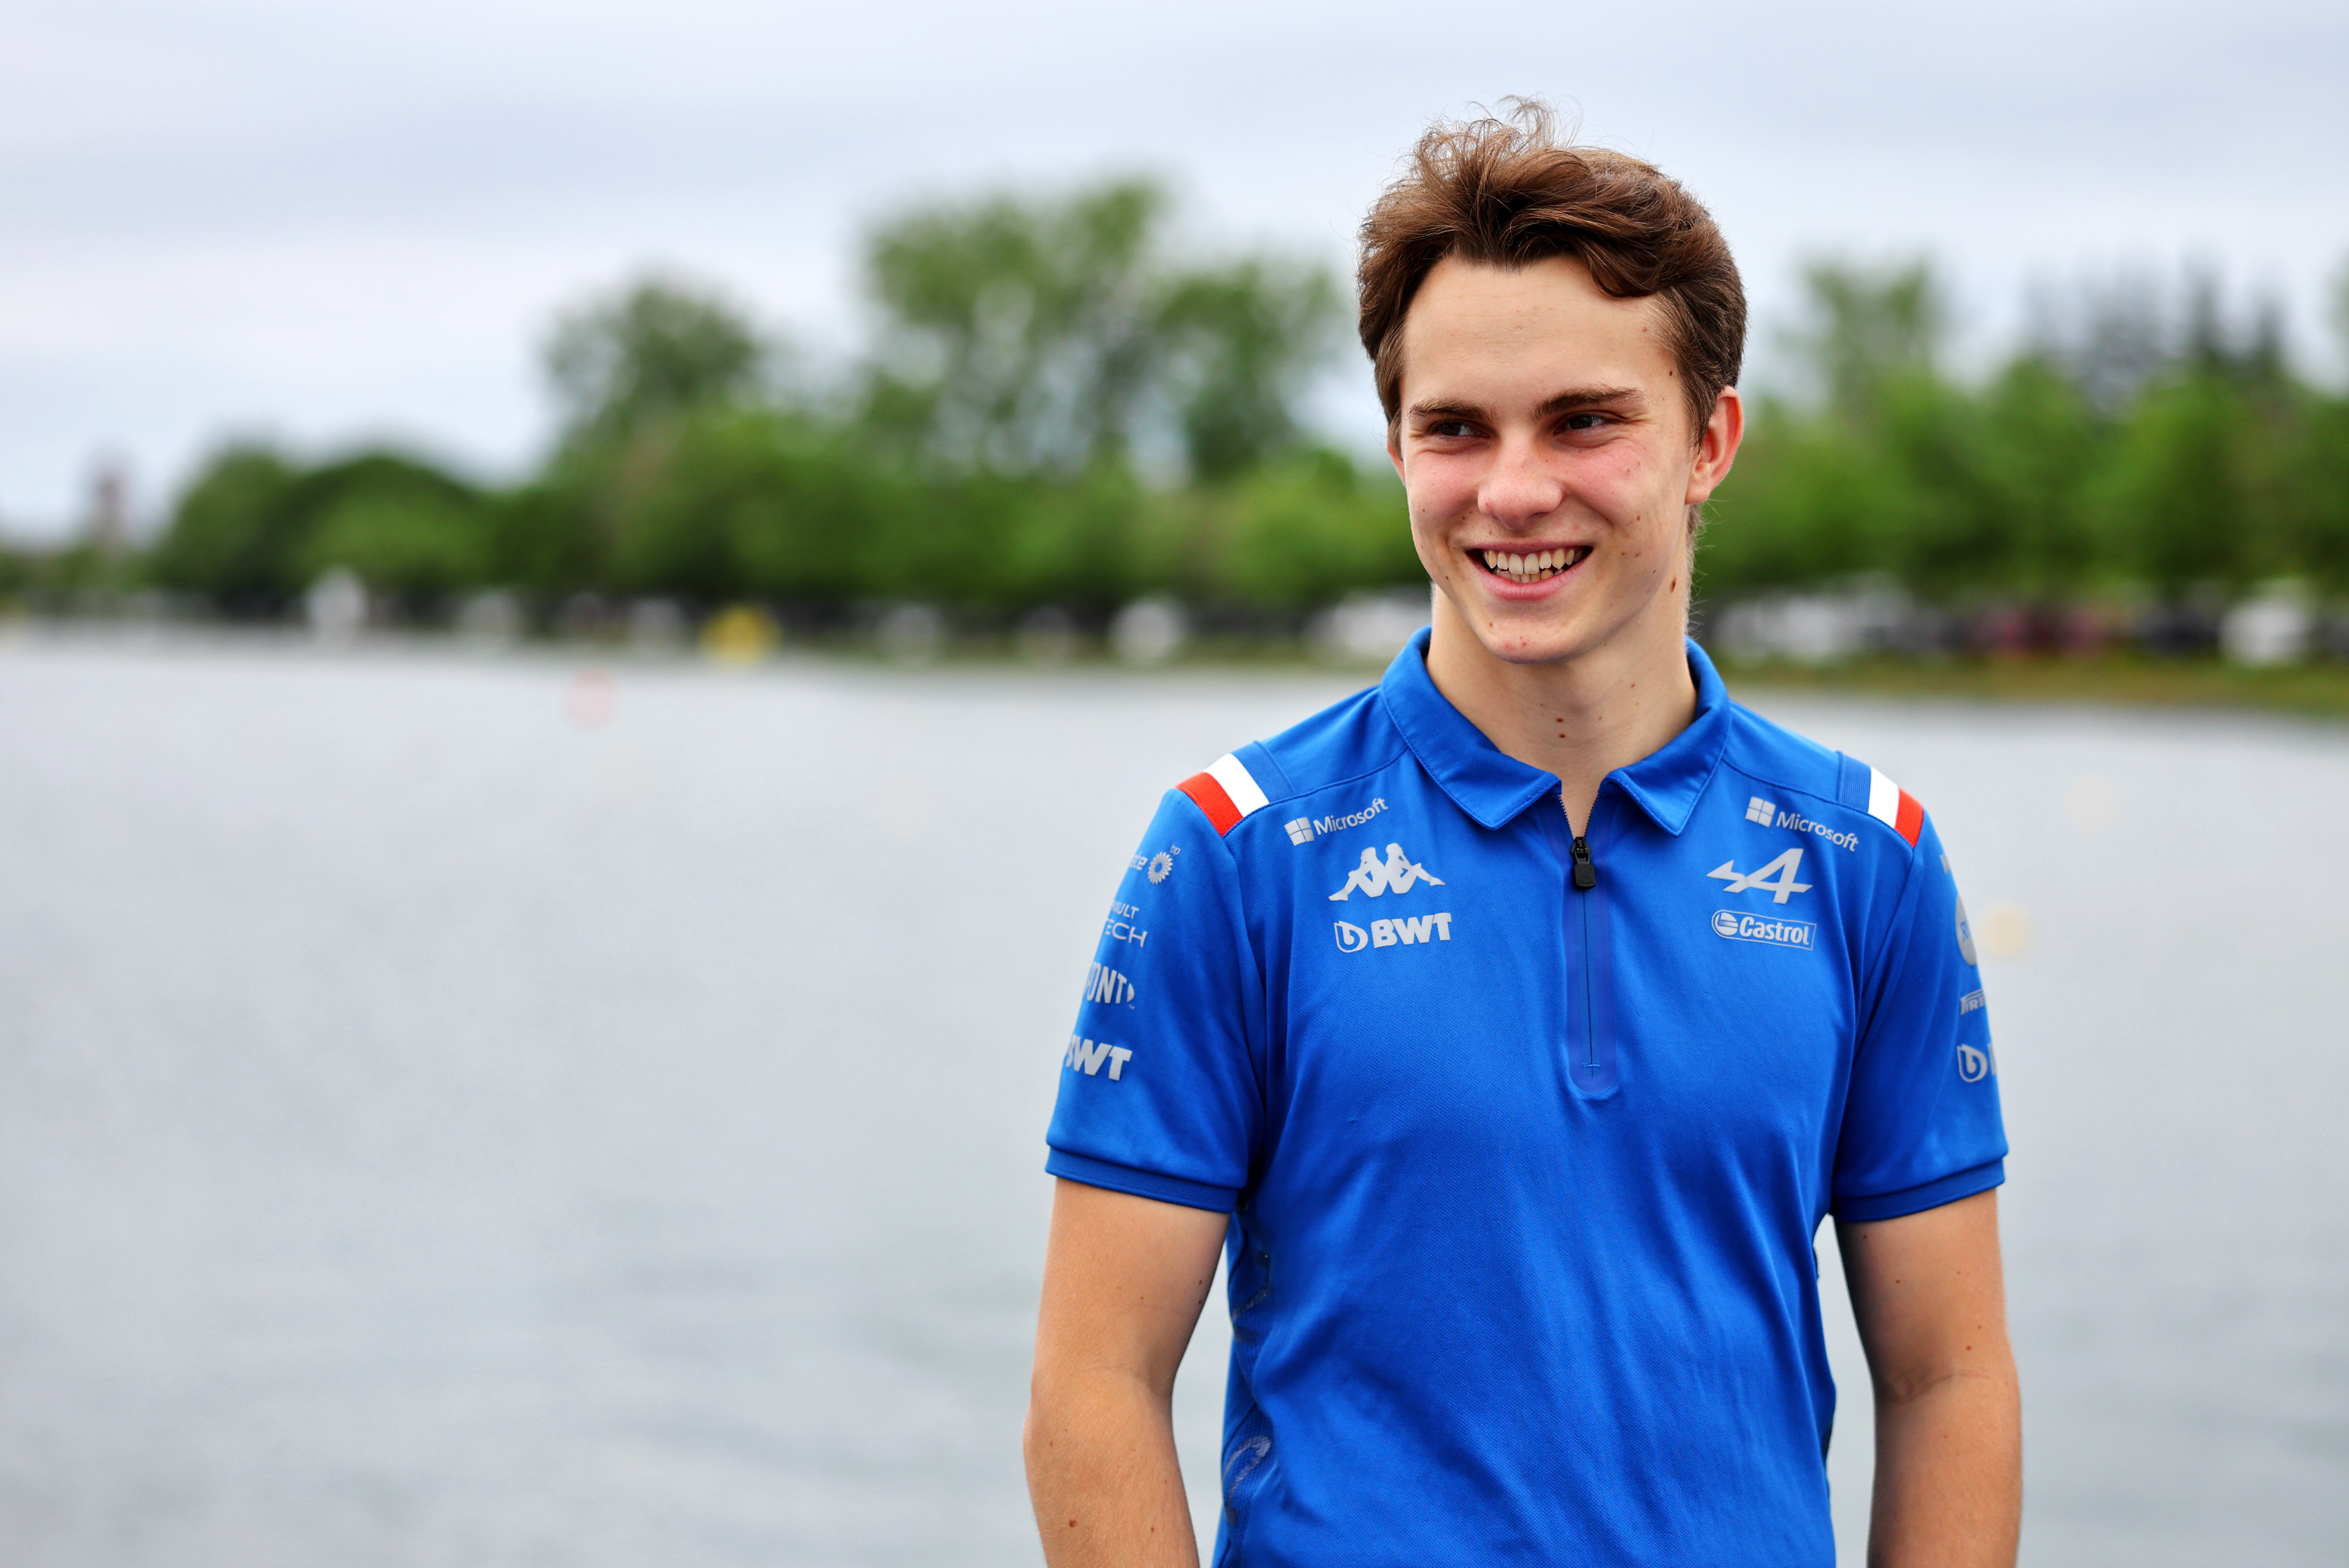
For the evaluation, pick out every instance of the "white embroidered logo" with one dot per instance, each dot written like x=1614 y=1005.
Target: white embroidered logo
x=1398 y=875
x=1778 y=877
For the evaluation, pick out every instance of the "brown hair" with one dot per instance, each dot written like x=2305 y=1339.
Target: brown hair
x=1508 y=192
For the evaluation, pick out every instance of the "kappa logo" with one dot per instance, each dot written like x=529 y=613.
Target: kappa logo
x=1103 y=983
x=1974 y=1065
x=1087 y=1056
x=1398 y=875
x=1404 y=933
x=1777 y=878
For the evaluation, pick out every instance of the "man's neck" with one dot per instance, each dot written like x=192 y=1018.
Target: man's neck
x=1581 y=718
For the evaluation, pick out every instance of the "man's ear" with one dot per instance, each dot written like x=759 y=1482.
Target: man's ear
x=1716 y=446
x=1394 y=449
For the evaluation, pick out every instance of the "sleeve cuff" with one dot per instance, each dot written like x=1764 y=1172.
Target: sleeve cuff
x=1917 y=1199
x=1142 y=1183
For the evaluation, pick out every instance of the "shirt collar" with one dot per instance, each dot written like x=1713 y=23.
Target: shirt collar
x=1493 y=788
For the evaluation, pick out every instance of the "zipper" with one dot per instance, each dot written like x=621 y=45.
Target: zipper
x=1585 y=877
x=1590 y=1077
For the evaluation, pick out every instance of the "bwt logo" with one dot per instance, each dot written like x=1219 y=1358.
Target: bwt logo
x=1105 y=985
x=1435 y=927
x=1087 y=1056
x=1974 y=1065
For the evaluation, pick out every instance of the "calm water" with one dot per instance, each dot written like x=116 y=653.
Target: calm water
x=454 y=1113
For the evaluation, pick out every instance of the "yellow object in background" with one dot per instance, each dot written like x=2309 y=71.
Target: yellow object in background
x=740 y=634
x=2004 y=929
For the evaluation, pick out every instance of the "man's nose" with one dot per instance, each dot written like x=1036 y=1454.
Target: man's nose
x=1521 y=488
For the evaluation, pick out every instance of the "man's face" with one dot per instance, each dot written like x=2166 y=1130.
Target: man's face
x=1545 y=449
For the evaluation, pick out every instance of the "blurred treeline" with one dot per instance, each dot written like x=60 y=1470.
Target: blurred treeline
x=1058 y=407
x=2142 y=445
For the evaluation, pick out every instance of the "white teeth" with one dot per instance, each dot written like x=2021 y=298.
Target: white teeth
x=1532 y=566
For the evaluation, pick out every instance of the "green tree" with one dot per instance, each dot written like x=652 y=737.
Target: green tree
x=413 y=543
x=1868 y=331
x=654 y=351
x=2172 y=505
x=1053 y=336
x=2040 y=443
x=1019 y=335
x=1247 y=339
x=2317 y=488
x=1308 y=528
x=753 y=501
x=231 y=532
x=252 y=530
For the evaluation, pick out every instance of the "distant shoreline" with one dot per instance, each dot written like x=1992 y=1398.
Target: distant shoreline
x=2318 y=689
x=2313 y=689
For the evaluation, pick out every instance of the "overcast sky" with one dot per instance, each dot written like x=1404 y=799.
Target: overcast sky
x=339 y=219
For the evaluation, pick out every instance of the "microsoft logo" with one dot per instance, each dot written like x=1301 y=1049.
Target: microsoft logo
x=1301 y=831
x=1760 y=810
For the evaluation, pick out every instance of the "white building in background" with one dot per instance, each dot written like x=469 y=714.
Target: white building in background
x=2274 y=626
x=337 y=606
x=1150 y=631
x=1815 y=628
x=1370 y=628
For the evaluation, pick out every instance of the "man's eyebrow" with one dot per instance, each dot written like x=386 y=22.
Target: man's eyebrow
x=1591 y=397
x=1572 y=398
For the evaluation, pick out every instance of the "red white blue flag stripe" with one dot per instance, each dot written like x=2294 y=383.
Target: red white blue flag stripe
x=1894 y=807
x=1226 y=792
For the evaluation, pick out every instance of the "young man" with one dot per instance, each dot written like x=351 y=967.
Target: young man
x=1512 y=1026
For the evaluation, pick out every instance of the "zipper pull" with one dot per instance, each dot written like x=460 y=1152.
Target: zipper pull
x=1586 y=875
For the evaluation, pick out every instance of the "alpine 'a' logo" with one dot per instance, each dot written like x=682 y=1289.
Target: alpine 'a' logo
x=1397 y=875
x=1777 y=878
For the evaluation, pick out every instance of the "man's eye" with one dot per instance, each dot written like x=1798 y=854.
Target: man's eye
x=1450 y=430
x=1585 y=422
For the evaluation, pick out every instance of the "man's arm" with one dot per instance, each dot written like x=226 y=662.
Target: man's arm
x=1125 y=1278
x=1931 y=1307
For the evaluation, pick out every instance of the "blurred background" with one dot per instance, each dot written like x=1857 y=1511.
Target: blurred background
x=592 y=597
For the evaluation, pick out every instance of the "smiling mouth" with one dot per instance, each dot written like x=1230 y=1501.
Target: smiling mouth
x=1539 y=565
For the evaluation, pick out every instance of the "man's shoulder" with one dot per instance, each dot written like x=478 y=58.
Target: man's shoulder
x=1792 y=774
x=1350 y=741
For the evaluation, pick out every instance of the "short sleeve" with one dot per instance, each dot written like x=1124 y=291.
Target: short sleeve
x=1921 y=1126
x=1160 y=1094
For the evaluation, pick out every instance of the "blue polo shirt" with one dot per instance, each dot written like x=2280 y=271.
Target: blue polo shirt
x=1523 y=1178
